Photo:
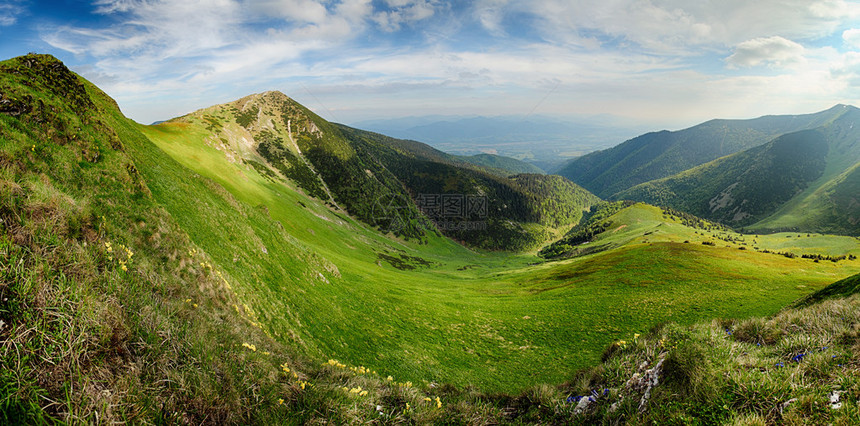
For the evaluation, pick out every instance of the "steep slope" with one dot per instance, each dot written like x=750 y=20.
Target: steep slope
x=745 y=187
x=385 y=182
x=802 y=181
x=271 y=128
x=519 y=212
x=661 y=154
x=106 y=305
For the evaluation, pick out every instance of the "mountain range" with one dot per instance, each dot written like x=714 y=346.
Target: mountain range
x=767 y=174
x=253 y=263
x=544 y=141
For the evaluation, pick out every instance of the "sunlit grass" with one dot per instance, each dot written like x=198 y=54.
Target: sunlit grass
x=488 y=319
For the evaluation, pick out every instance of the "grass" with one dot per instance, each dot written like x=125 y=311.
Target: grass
x=237 y=277
x=779 y=370
x=501 y=324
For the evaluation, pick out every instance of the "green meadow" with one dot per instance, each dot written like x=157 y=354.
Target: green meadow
x=438 y=312
x=162 y=274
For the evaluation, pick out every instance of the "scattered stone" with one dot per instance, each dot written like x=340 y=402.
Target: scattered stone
x=834 y=400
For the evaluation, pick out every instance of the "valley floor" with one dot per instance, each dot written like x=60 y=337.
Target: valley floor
x=442 y=313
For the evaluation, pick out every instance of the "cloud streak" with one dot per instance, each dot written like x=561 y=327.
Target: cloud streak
x=673 y=58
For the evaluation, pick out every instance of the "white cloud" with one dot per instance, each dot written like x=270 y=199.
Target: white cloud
x=679 y=26
x=773 y=51
x=490 y=13
x=305 y=11
x=851 y=37
x=404 y=12
x=635 y=57
x=10 y=11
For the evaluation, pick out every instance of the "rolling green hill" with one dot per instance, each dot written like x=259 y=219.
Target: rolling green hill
x=661 y=154
x=803 y=181
x=162 y=274
x=398 y=186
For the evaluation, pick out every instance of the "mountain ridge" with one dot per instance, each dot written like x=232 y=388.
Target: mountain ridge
x=661 y=154
x=798 y=181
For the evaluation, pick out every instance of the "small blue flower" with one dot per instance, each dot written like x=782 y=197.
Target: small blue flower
x=605 y=392
x=758 y=344
x=780 y=365
x=834 y=356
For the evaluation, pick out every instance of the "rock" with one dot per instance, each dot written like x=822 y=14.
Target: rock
x=834 y=400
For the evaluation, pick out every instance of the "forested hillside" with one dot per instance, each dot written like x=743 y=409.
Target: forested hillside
x=660 y=154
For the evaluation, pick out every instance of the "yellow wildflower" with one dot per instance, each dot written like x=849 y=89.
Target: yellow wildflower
x=635 y=336
x=264 y=352
x=250 y=346
x=187 y=300
x=427 y=399
x=195 y=305
x=362 y=393
x=285 y=368
x=389 y=378
x=355 y=390
x=280 y=401
x=303 y=384
x=122 y=266
x=33 y=148
x=438 y=402
x=407 y=406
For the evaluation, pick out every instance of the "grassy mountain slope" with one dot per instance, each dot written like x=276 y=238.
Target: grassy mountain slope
x=235 y=275
x=460 y=288
x=832 y=207
x=522 y=211
x=273 y=129
x=392 y=302
x=799 y=366
x=745 y=187
x=109 y=312
x=661 y=154
x=373 y=177
x=802 y=181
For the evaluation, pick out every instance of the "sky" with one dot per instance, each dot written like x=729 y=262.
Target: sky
x=666 y=63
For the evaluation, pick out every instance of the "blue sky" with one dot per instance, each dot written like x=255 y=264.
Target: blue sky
x=669 y=64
